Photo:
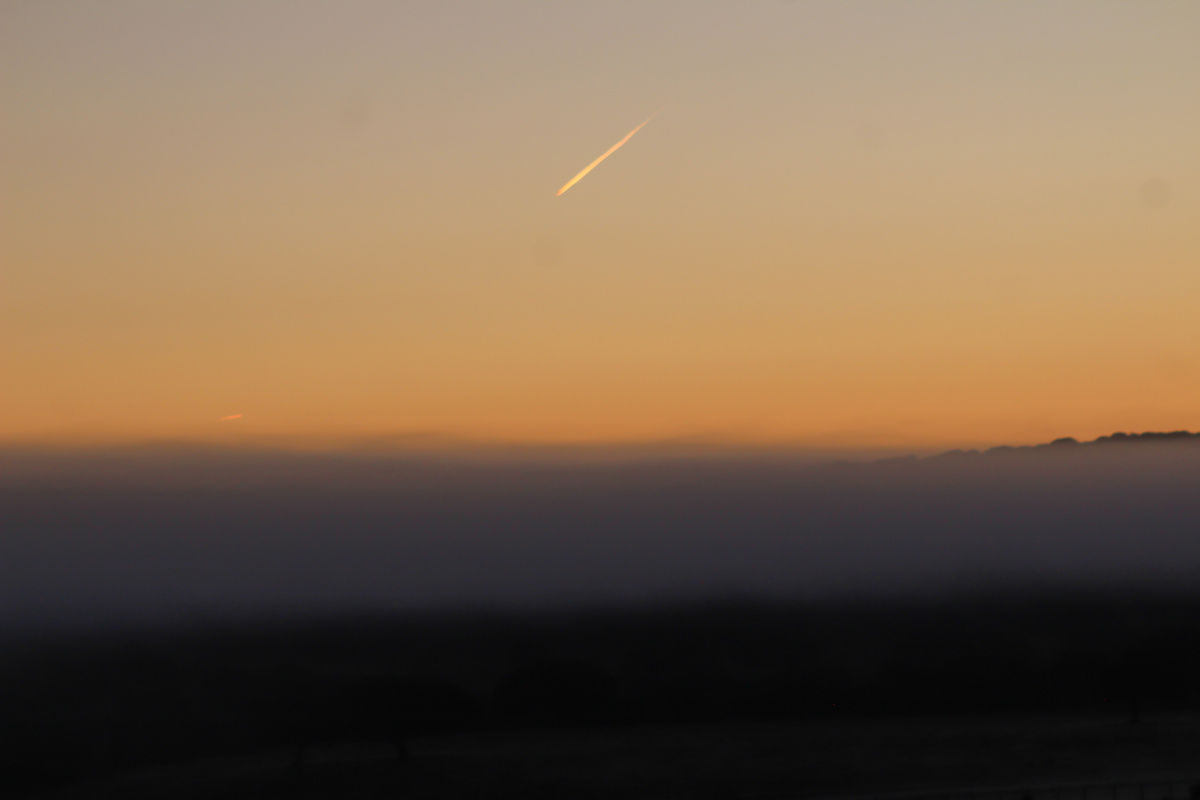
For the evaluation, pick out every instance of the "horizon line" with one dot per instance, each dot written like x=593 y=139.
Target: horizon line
x=434 y=444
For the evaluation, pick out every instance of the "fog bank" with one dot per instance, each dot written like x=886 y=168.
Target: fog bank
x=170 y=533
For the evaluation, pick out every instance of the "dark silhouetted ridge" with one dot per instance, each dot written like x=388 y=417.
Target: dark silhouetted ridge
x=1149 y=436
x=1069 y=442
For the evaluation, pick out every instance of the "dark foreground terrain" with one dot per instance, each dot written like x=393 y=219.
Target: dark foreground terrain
x=1008 y=758
x=1025 y=693
x=179 y=622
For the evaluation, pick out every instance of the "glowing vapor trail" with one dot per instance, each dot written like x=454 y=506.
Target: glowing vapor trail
x=607 y=153
x=231 y=416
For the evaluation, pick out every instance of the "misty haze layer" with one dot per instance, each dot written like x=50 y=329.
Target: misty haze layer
x=167 y=534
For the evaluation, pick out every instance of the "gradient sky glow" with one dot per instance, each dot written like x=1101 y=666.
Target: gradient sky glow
x=913 y=224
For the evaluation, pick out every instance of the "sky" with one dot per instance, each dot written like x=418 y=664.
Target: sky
x=922 y=224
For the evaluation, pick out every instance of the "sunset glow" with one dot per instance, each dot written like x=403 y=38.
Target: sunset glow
x=856 y=224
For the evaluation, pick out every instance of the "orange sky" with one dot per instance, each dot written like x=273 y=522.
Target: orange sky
x=852 y=224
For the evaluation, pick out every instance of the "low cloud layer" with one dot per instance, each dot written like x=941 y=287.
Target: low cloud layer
x=163 y=534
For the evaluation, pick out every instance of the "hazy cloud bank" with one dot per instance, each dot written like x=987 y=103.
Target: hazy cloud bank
x=168 y=532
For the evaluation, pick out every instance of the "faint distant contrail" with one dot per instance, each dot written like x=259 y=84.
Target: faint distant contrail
x=607 y=153
x=231 y=416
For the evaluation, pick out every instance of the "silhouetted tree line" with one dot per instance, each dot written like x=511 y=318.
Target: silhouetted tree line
x=74 y=708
